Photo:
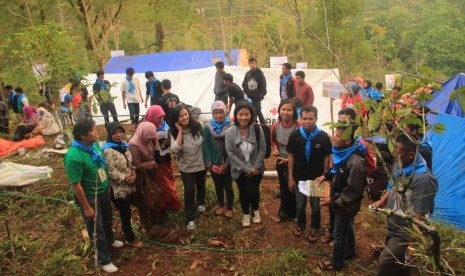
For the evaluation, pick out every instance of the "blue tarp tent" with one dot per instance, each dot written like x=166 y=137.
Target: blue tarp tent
x=449 y=154
x=173 y=61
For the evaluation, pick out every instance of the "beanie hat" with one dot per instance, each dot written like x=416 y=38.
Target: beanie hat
x=218 y=105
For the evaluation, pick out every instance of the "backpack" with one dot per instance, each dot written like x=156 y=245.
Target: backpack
x=267 y=132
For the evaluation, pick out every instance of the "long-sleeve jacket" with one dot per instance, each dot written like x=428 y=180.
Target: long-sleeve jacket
x=235 y=155
x=190 y=154
x=214 y=151
x=254 y=84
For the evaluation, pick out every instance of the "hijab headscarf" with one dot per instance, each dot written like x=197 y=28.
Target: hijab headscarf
x=122 y=146
x=144 y=131
x=29 y=112
x=153 y=113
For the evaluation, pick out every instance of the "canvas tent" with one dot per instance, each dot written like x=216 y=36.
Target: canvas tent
x=449 y=154
x=195 y=86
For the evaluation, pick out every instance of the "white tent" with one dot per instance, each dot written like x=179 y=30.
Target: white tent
x=195 y=87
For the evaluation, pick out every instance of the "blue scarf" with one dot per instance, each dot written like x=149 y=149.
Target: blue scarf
x=103 y=85
x=19 y=102
x=131 y=86
x=152 y=87
x=284 y=79
x=425 y=144
x=12 y=95
x=164 y=127
x=218 y=127
x=420 y=167
x=96 y=157
x=123 y=146
x=375 y=95
x=340 y=156
x=309 y=137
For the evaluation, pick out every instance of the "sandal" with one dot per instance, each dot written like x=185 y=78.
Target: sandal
x=219 y=211
x=228 y=214
x=298 y=232
x=325 y=265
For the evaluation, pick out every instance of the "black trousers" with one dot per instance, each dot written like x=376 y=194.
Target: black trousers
x=191 y=182
x=134 y=110
x=249 y=192
x=223 y=184
x=287 y=209
x=124 y=209
x=108 y=107
x=393 y=256
x=257 y=105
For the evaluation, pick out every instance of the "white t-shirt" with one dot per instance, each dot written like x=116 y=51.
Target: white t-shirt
x=246 y=149
x=134 y=97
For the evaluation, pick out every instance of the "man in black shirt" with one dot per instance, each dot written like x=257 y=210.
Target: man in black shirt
x=168 y=100
x=309 y=157
x=154 y=90
x=232 y=91
x=254 y=86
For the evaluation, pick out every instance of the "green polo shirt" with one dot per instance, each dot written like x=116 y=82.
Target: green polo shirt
x=80 y=168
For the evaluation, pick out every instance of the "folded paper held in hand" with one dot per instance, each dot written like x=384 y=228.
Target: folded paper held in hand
x=312 y=188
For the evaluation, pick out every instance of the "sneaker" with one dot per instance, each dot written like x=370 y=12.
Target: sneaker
x=256 y=217
x=246 y=220
x=201 y=208
x=117 y=244
x=191 y=225
x=109 y=268
x=135 y=244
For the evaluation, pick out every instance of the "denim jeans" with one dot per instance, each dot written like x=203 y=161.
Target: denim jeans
x=191 y=182
x=124 y=208
x=104 y=220
x=134 y=110
x=223 y=184
x=388 y=263
x=344 y=239
x=287 y=209
x=108 y=107
x=301 y=206
x=257 y=105
x=249 y=192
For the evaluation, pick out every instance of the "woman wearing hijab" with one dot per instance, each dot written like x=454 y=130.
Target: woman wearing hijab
x=122 y=176
x=48 y=124
x=143 y=154
x=28 y=125
x=165 y=175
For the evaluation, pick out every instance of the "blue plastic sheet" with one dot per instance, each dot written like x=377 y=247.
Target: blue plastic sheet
x=169 y=61
x=449 y=169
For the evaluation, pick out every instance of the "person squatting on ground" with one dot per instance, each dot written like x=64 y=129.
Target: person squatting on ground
x=164 y=177
x=309 y=157
x=88 y=175
x=349 y=176
x=186 y=143
x=122 y=177
x=132 y=95
x=280 y=132
x=246 y=148
x=216 y=159
x=254 y=86
x=420 y=199
x=101 y=89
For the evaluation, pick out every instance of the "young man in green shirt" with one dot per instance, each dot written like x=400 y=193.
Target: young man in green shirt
x=87 y=173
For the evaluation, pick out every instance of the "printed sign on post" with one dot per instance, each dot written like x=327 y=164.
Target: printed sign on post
x=390 y=81
x=277 y=62
x=333 y=90
x=117 y=53
x=301 y=65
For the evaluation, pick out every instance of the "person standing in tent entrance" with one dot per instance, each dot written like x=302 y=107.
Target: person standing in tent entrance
x=303 y=90
x=286 y=83
x=216 y=159
x=254 y=86
x=218 y=89
x=101 y=89
x=168 y=100
x=246 y=148
x=233 y=92
x=132 y=95
x=420 y=200
x=186 y=143
x=88 y=175
x=154 y=90
x=280 y=132
x=309 y=151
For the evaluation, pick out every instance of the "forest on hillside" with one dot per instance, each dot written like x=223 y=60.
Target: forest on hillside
x=368 y=38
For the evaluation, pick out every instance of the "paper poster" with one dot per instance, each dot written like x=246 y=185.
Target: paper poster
x=333 y=90
x=390 y=81
x=277 y=62
x=312 y=188
x=117 y=53
x=301 y=65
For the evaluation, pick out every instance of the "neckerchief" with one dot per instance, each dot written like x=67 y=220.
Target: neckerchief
x=103 y=85
x=218 y=127
x=425 y=144
x=309 y=137
x=284 y=79
x=95 y=156
x=131 y=86
x=340 y=156
x=152 y=87
x=375 y=95
x=164 y=127
x=420 y=167
x=121 y=147
x=12 y=96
